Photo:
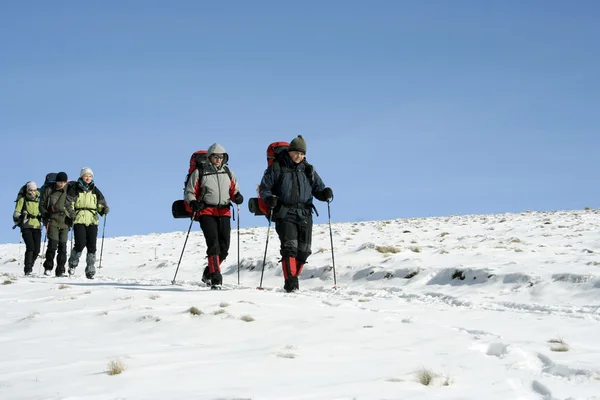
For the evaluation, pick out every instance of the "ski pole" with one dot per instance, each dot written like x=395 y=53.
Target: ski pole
x=102 y=243
x=238 y=235
x=266 y=247
x=331 y=238
x=182 y=250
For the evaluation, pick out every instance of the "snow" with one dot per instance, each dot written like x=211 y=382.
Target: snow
x=474 y=300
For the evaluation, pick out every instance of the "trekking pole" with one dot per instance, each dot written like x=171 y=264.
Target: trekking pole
x=102 y=243
x=43 y=251
x=266 y=247
x=331 y=237
x=238 y=235
x=19 y=260
x=182 y=250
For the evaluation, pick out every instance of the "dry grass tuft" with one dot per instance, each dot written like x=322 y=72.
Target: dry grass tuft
x=115 y=367
x=61 y=287
x=425 y=376
x=387 y=249
x=7 y=282
x=247 y=318
x=195 y=311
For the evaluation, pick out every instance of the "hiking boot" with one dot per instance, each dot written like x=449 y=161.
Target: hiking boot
x=27 y=272
x=71 y=271
x=90 y=269
x=47 y=272
x=60 y=272
x=216 y=279
x=206 y=277
x=291 y=284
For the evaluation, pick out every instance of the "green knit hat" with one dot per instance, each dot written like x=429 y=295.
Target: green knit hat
x=298 y=144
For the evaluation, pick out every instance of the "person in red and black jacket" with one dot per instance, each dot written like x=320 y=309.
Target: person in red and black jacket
x=209 y=192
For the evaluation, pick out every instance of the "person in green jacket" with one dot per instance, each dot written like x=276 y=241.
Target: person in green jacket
x=58 y=224
x=84 y=203
x=27 y=216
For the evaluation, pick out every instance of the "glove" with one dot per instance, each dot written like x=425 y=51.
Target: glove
x=69 y=222
x=238 y=198
x=271 y=201
x=105 y=210
x=327 y=194
x=196 y=205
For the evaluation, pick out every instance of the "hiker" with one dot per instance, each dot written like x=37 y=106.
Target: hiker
x=27 y=217
x=84 y=203
x=58 y=224
x=288 y=187
x=209 y=192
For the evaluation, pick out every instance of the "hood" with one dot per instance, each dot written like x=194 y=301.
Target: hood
x=216 y=148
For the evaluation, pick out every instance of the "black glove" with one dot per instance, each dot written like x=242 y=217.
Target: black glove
x=327 y=194
x=271 y=201
x=69 y=222
x=104 y=211
x=196 y=205
x=238 y=198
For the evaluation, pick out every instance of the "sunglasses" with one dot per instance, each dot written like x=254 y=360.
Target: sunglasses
x=218 y=157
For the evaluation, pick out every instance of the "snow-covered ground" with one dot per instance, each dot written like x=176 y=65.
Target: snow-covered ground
x=475 y=301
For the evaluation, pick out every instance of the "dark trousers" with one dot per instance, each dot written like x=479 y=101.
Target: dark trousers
x=32 y=239
x=57 y=240
x=85 y=237
x=217 y=231
x=295 y=235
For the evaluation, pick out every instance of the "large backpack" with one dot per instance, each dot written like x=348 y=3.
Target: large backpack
x=256 y=205
x=181 y=208
x=50 y=179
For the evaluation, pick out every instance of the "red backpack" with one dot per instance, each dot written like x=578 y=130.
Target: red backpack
x=256 y=205
x=181 y=208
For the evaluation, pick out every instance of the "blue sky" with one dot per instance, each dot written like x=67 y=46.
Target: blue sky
x=409 y=108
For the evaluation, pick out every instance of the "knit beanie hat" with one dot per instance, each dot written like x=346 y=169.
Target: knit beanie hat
x=62 y=177
x=298 y=144
x=31 y=185
x=86 y=171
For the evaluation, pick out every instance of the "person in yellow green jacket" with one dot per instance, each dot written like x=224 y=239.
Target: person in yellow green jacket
x=27 y=216
x=84 y=203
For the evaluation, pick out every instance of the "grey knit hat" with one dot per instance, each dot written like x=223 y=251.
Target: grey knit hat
x=298 y=144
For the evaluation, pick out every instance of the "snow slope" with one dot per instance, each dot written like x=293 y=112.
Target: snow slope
x=474 y=301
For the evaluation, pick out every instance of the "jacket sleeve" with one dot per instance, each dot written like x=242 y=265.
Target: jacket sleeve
x=192 y=187
x=18 y=208
x=317 y=187
x=44 y=203
x=234 y=187
x=100 y=200
x=70 y=201
x=269 y=178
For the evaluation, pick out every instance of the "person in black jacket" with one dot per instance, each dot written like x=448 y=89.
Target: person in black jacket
x=52 y=207
x=288 y=187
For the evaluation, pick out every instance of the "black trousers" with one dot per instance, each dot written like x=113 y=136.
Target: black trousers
x=32 y=239
x=85 y=237
x=217 y=231
x=295 y=234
